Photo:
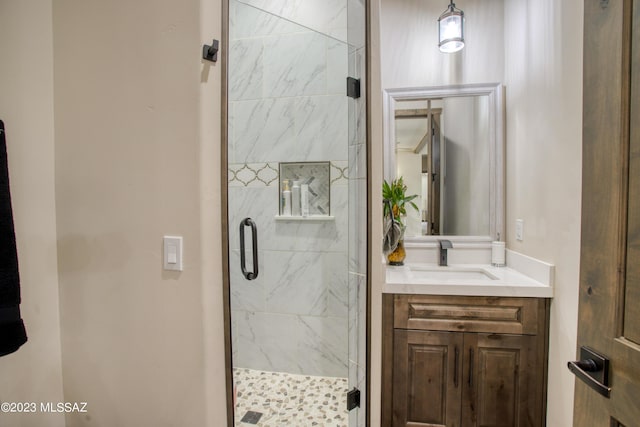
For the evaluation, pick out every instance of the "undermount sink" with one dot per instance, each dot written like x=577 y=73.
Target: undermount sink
x=450 y=273
x=482 y=279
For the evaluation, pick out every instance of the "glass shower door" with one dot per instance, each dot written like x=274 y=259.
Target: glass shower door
x=291 y=275
x=358 y=208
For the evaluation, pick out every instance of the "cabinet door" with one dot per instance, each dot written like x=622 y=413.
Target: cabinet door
x=501 y=381
x=427 y=378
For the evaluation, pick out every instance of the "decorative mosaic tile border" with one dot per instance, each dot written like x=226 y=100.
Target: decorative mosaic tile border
x=266 y=174
x=339 y=172
x=253 y=174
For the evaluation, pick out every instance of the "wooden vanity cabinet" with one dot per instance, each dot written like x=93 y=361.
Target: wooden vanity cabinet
x=464 y=361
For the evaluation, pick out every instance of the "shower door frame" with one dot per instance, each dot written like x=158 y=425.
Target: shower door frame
x=223 y=60
x=223 y=56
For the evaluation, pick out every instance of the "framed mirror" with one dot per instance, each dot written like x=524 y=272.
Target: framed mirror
x=447 y=143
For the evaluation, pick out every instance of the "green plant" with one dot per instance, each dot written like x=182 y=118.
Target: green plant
x=395 y=193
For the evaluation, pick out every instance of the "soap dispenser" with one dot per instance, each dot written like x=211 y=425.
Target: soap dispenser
x=304 y=200
x=286 y=198
x=295 y=198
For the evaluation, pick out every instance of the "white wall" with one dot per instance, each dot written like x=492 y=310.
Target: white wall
x=33 y=373
x=137 y=157
x=410 y=56
x=543 y=77
x=409 y=44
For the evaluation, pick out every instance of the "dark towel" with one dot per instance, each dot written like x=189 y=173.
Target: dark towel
x=12 y=332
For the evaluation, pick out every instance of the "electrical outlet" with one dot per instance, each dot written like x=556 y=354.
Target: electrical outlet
x=519 y=229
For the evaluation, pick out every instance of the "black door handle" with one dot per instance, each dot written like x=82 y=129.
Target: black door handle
x=593 y=369
x=249 y=275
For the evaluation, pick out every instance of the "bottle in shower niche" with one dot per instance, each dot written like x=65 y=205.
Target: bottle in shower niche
x=304 y=200
x=295 y=199
x=286 y=198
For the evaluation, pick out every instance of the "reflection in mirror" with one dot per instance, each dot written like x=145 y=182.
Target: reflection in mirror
x=446 y=143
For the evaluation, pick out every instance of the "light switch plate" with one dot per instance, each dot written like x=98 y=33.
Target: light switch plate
x=172 y=257
x=519 y=229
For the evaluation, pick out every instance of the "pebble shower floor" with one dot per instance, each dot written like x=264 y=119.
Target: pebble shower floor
x=290 y=400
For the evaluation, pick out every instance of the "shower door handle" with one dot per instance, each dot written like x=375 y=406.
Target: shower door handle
x=249 y=275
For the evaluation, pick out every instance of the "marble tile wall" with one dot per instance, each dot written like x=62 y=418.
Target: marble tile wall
x=302 y=287
x=287 y=104
x=328 y=17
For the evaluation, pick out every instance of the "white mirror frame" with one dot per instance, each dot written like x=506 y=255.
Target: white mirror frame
x=496 y=134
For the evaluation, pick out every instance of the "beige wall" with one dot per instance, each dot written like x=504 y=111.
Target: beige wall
x=543 y=78
x=33 y=373
x=137 y=157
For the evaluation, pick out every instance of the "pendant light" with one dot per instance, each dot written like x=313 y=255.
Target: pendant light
x=451 y=29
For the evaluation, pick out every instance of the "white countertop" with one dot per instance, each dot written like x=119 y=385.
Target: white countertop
x=504 y=281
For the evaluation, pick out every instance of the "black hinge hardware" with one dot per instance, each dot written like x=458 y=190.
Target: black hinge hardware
x=353 y=88
x=210 y=52
x=353 y=399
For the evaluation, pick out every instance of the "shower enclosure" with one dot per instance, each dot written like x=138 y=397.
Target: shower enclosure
x=297 y=284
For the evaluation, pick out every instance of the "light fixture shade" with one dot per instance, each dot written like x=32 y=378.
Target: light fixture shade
x=451 y=30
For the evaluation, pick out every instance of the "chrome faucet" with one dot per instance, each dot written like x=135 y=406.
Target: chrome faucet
x=444 y=245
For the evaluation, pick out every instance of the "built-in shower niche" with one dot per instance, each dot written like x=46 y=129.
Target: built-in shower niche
x=317 y=176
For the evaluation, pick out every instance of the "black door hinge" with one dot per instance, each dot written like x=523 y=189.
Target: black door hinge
x=353 y=87
x=353 y=399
